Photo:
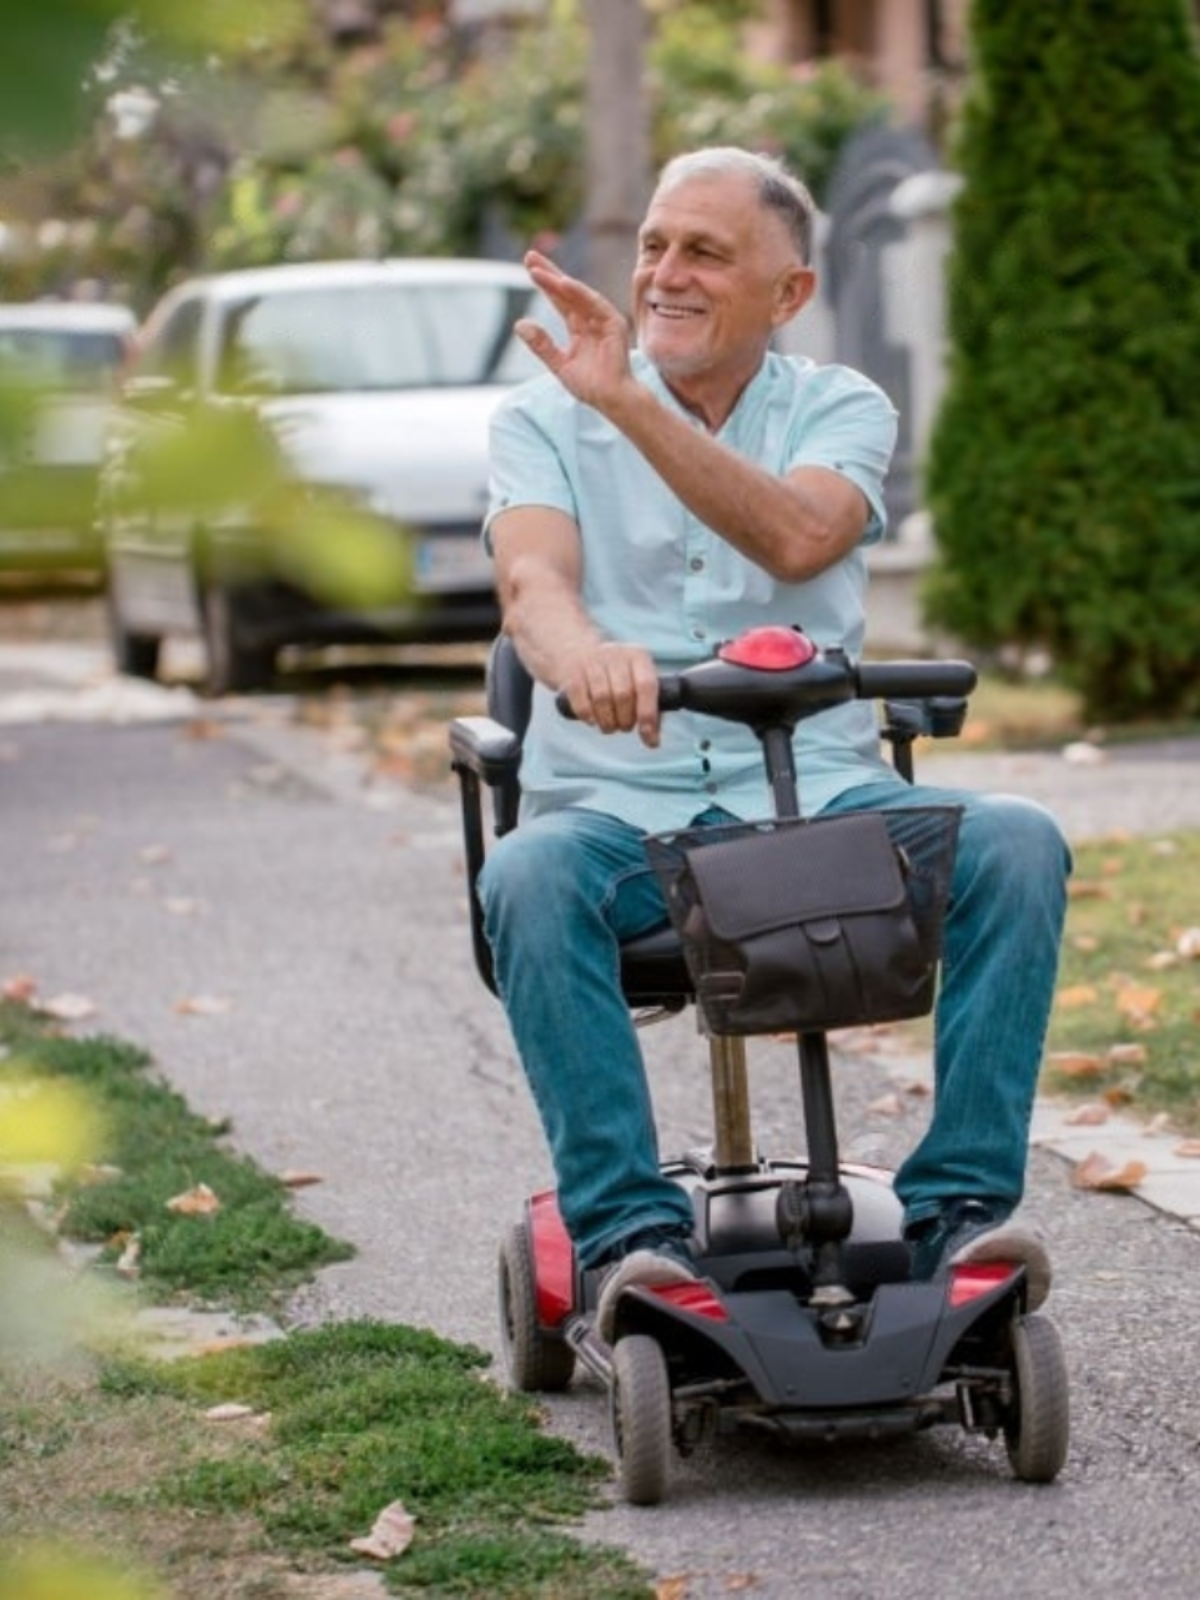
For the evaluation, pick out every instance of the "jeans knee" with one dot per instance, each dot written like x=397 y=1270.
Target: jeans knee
x=1015 y=846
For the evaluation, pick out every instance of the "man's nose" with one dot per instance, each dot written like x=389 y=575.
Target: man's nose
x=670 y=266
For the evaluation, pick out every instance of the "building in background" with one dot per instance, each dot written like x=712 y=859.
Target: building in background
x=915 y=51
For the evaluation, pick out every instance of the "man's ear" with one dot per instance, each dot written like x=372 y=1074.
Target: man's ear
x=793 y=290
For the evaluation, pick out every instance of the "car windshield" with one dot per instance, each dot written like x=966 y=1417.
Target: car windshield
x=374 y=336
x=60 y=358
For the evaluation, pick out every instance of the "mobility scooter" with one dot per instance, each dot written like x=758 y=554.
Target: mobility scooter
x=804 y=1321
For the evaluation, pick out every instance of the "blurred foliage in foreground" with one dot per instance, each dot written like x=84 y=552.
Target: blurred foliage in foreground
x=283 y=139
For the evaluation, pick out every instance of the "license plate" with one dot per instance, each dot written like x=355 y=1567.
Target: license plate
x=448 y=562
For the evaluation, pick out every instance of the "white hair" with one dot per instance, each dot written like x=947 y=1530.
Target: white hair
x=778 y=190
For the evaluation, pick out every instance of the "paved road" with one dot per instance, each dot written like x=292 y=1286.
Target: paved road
x=149 y=858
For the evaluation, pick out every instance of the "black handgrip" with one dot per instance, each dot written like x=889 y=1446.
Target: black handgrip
x=913 y=680
x=670 y=697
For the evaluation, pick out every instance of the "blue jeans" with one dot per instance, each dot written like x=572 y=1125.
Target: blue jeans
x=561 y=892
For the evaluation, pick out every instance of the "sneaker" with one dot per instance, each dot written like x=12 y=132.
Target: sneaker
x=979 y=1230
x=650 y=1259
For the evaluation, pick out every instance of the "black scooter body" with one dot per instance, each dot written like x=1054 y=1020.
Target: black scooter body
x=804 y=1321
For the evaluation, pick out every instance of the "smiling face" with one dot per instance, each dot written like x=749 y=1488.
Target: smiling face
x=717 y=272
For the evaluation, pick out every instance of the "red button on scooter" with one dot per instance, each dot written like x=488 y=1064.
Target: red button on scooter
x=771 y=649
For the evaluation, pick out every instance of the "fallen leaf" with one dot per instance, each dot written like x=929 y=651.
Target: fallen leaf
x=69 y=1007
x=1098 y=1172
x=1121 y=1094
x=1082 y=754
x=181 y=905
x=199 y=1201
x=153 y=854
x=129 y=1261
x=1188 y=1147
x=1075 y=1063
x=300 y=1180
x=1128 y=1055
x=888 y=1105
x=1187 y=944
x=203 y=1005
x=1088 y=1116
x=391 y=1534
x=1078 y=994
x=1086 y=943
x=1162 y=961
x=228 y=1411
x=203 y=728
x=19 y=987
x=1138 y=1002
x=673 y=1588
x=1088 y=889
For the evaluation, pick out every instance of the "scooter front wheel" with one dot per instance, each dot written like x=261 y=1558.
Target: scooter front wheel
x=536 y=1361
x=1037 y=1429
x=641 y=1418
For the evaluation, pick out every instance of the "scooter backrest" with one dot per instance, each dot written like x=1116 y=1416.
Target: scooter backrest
x=509 y=687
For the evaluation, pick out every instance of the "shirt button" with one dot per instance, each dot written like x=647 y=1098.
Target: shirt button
x=706 y=744
x=696 y=564
x=710 y=788
x=699 y=633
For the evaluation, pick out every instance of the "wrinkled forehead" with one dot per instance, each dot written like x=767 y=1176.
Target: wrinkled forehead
x=726 y=208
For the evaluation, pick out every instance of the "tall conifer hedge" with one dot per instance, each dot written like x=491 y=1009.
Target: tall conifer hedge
x=1064 y=468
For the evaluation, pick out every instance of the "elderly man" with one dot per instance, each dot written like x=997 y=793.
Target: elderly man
x=646 y=504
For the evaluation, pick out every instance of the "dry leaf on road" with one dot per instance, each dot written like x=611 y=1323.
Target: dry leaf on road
x=1088 y=1116
x=1098 y=1172
x=203 y=1005
x=69 y=1007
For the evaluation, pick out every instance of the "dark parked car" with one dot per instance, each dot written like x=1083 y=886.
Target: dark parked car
x=300 y=457
x=59 y=363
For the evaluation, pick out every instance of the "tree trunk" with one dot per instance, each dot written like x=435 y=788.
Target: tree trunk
x=618 y=143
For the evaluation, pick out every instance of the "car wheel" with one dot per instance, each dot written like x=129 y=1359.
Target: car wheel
x=235 y=664
x=134 y=654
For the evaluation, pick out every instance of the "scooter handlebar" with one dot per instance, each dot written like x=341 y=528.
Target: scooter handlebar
x=872 y=680
x=914 y=680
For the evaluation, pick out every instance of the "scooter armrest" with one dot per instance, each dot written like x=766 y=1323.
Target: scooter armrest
x=486 y=748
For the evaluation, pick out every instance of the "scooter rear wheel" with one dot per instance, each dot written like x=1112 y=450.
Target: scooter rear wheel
x=641 y=1418
x=537 y=1362
x=1037 y=1430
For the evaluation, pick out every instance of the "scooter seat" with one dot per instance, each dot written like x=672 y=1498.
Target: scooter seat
x=654 y=971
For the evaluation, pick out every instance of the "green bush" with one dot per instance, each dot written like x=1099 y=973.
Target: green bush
x=1064 y=468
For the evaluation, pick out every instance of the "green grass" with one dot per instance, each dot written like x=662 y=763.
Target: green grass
x=366 y=1413
x=1128 y=1002
x=246 y=1255
x=107 y=1451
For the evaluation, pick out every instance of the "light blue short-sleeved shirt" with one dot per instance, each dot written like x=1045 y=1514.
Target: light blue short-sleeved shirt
x=655 y=575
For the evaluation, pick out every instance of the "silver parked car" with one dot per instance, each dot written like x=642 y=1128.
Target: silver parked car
x=300 y=457
x=59 y=364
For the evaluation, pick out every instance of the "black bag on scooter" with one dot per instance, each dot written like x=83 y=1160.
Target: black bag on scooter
x=796 y=925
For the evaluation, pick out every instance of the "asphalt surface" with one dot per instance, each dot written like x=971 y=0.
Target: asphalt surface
x=289 y=940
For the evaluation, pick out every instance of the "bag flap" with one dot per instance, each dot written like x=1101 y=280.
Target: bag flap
x=838 y=866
